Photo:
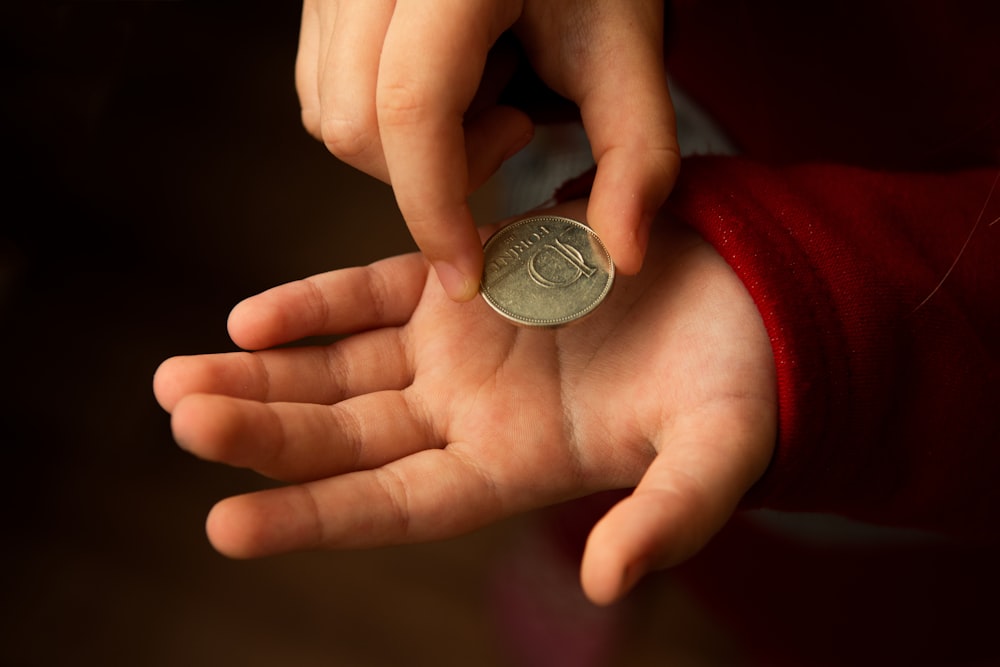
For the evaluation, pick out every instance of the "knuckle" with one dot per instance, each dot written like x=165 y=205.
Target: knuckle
x=311 y=121
x=666 y=161
x=315 y=301
x=378 y=294
x=347 y=135
x=400 y=104
x=397 y=502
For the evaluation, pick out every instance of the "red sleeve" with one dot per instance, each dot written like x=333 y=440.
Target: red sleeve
x=881 y=295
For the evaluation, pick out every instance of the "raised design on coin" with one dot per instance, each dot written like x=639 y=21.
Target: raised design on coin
x=545 y=271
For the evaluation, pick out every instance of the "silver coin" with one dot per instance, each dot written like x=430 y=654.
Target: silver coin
x=546 y=271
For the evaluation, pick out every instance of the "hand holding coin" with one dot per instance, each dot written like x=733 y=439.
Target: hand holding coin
x=430 y=418
x=410 y=92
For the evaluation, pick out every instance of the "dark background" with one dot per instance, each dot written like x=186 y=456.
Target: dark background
x=156 y=173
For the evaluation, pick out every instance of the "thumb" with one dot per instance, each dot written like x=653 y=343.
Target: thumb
x=629 y=118
x=686 y=496
x=607 y=57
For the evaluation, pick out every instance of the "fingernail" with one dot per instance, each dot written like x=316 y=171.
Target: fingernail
x=458 y=285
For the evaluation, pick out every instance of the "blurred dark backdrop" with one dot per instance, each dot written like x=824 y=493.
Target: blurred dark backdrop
x=156 y=173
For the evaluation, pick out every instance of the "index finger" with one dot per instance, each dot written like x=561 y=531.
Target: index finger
x=432 y=61
x=344 y=301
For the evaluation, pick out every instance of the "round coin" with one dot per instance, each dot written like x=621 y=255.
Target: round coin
x=545 y=271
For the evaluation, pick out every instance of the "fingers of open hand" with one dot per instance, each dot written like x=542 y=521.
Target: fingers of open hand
x=686 y=496
x=298 y=442
x=382 y=294
x=366 y=362
x=399 y=506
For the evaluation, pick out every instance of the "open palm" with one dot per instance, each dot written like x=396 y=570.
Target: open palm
x=433 y=418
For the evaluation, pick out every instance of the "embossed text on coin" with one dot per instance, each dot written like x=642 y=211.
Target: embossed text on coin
x=546 y=271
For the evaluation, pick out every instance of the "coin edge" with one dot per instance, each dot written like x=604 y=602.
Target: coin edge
x=555 y=322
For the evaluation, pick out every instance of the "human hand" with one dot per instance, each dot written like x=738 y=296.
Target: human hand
x=433 y=418
x=398 y=91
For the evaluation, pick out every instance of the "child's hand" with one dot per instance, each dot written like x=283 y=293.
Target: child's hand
x=433 y=418
x=388 y=87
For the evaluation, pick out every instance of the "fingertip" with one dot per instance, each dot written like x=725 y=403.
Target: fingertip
x=603 y=583
x=447 y=235
x=646 y=531
x=235 y=324
x=459 y=284
x=243 y=527
x=198 y=423
x=263 y=523
x=275 y=315
x=608 y=572
x=231 y=530
x=459 y=265
x=177 y=378
x=248 y=322
x=179 y=424
x=165 y=388
x=623 y=230
x=631 y=184
x=628 y=255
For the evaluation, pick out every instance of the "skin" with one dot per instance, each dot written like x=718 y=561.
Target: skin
x=430 y=418
x=402 y=91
